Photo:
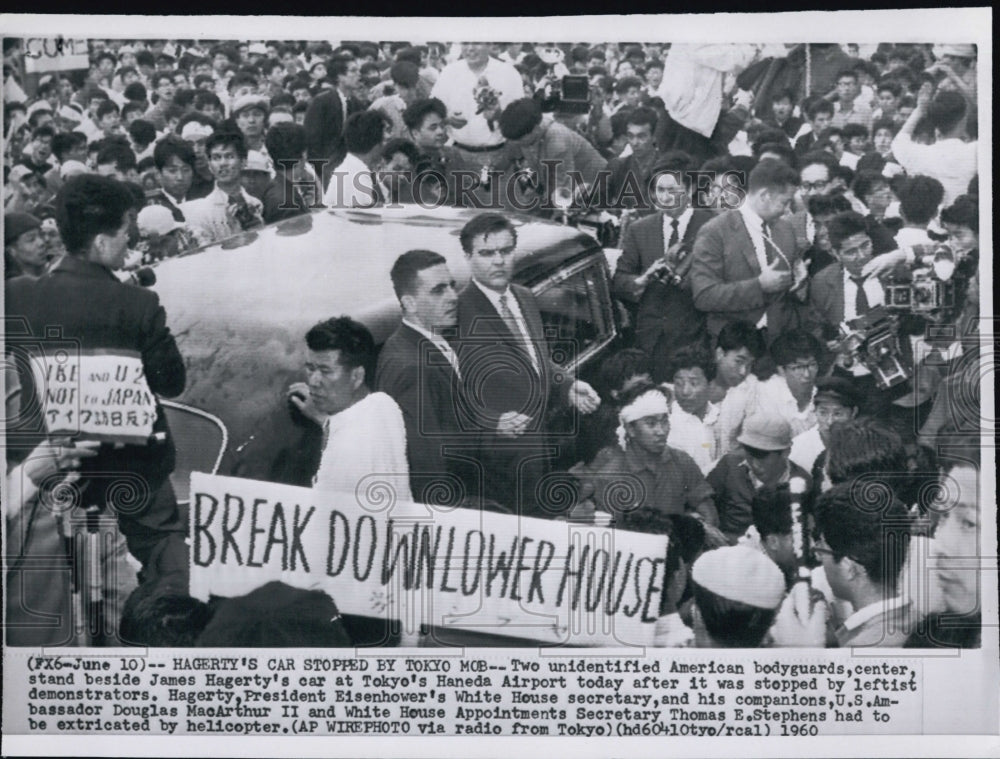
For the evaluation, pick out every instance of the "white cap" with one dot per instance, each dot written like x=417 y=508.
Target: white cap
x=194 y=130
x=156 y=220
x=71 y=168
x=257 y=161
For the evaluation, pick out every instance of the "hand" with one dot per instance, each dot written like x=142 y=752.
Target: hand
x=652 y=272
x=583 y=397
x=775 y=280
x=50 y=458
x=743 y=98
x=300 y=397
x=885 y=263
x=801 y=274
x=512 y=424
x=924 y=96
x=801 y=620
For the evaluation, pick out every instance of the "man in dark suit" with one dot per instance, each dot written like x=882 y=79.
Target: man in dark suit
x=325 y=118
x=98 y=313
x=656 y=258
x=510 y=381
x=419 y=369
x=629 y=177
x=745 y=262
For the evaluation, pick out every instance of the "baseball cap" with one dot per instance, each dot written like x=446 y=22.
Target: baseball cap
x=71 y=168
x=740 y=573
x=838 y=390
x=276 y=615
x=20 y=172
x=766 y=433
x=156 y=220
x=16 y=224
x=250 y=101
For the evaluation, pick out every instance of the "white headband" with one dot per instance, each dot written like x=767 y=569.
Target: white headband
x=650 y=403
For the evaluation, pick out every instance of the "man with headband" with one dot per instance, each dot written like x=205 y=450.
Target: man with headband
x=642 y=470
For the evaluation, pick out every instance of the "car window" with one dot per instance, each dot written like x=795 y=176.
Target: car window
x=576 y=311
x=200 y=440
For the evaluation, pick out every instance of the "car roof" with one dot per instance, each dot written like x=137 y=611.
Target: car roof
x=335 y=262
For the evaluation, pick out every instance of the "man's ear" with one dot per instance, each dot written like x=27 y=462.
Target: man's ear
x=357 y=377
x=408 y=302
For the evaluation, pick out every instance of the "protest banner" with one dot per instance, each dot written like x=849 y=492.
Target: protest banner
x=95 y=395
x=43 y=54
x=556 y=582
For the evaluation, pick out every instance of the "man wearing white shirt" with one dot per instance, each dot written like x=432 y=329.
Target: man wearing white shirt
x=354 y=184
x=836 y=400
x=788 y=395
x=419 y=369
x=950 y=159
x=364 y=437
x=475 y=89
x=693 y=418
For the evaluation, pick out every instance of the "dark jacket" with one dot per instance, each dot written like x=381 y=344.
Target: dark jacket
x=94 y=310
x=324 y=127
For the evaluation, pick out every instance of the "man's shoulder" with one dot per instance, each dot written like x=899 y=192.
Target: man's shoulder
x=722 y=223
x=828 y=275
x=681 y=459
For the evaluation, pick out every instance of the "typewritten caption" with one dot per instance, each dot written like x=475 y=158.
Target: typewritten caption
x=595 y=696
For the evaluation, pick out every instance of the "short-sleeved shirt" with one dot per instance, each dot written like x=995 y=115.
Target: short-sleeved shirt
x=622 y=480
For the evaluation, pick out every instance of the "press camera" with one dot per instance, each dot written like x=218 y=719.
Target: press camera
x=873 y=340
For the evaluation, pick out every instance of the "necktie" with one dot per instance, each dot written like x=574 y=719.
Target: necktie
x=768 y=245
x=674 y=233
x=508 y=317
x=860 y=297
x=376 y=190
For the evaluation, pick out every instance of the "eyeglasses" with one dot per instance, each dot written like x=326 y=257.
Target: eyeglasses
x=810 y=186
x=491 y=252
x=804 y=368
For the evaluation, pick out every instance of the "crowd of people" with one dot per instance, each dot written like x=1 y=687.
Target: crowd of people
x=784 y=213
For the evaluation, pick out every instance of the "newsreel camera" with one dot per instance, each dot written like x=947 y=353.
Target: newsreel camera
x=561 y=91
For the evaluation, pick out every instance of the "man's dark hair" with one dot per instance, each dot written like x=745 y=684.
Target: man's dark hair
x=960 y=449
x=337 y=68
x=844 y=173
x=201 y=79
x=282 y=99
x=617 y=368
x=144 y=58
x=159 y=76
x=160 y=613
x=519 y=118
x=171 y=146
x=773 y=175
x=184 y=98
x=132 y=106
x=675 y=162
x=484 y=224
x=406 y=268
x=400 y=145
x=844 y=225
x=946 y=110
x=964 y=212
x=64 y=142
x=204 y=98
x=691 y=357
x=364 y=131
x=732 y=623
x=820 y=106
x=227 y=137
x=829 y=204
x=854 y=130
x=626 y=83
x=136 y=92
x=919 y=199
x=772 y=511
x=874 y=534
x=865 y=183
x=351 y=338
x=889 y=85
x=862 y=446
x=142 y=132
x=885 y=124
x=37 y=115
x=795 y=345
x=640 y=117
x=821 y=158
x=785 y=93
x=45 y=130
x=121 y=155
x=654 y=63
x=741 y=334
x=241 y=79
x=782 y=149
x=89 y=205
x=851 y=72
x=285 y=143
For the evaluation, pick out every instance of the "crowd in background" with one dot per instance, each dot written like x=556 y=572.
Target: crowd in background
x=763 y=195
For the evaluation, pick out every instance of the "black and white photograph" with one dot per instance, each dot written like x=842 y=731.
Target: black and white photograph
x=594 y=383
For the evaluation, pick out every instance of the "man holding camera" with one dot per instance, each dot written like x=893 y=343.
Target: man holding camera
x=652 y=271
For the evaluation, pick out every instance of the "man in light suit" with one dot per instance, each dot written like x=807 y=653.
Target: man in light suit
x=656 y=258
x=745 y=262
x=419 y=369
x=510 y=381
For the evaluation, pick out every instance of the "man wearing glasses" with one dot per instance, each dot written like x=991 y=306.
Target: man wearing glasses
x=789 y=393
x=509 y=377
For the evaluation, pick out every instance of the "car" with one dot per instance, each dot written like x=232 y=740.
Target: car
x=239 y=311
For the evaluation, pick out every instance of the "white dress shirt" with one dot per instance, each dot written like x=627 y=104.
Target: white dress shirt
x=365 y=446
x=351 y=185
x=698 y=438
x=806 y=448
x=209 y=218
x=774 y=399
x=952 y=162
x=515 y=308
x=682 y=224
x=754 y=225
x=456 y=87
